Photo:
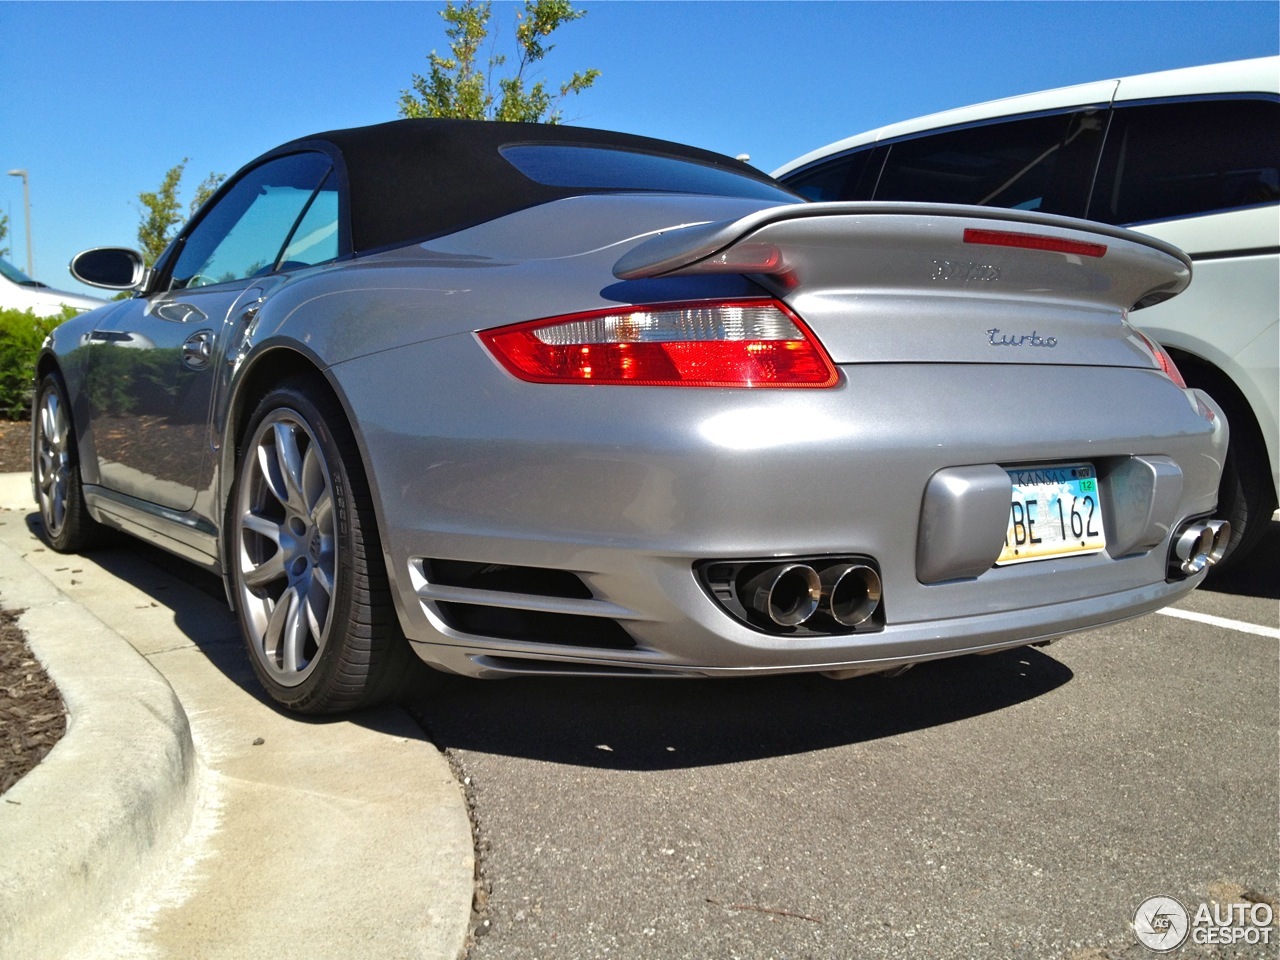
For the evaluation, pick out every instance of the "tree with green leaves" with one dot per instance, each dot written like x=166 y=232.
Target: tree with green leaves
x=461 y=87
x=208 y=186
x=161 y=214
x=4 y=232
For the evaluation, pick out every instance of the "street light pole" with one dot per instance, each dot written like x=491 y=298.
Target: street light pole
x=26 y=211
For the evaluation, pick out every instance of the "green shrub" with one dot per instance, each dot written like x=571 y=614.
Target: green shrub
x=21 y=333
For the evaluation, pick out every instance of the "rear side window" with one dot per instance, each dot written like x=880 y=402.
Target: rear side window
x=606 y=168
x=1170 y=160
x=1030 y=163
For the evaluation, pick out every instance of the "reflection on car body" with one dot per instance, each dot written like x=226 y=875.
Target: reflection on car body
x=117 y=338
x=20 y=292
x=556 y=400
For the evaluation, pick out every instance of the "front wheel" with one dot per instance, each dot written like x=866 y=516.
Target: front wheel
x=310 y=591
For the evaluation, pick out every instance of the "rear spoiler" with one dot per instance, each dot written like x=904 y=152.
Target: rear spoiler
x=725 y=247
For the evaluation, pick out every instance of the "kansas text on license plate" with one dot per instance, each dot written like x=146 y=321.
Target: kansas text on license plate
x=1055 y=512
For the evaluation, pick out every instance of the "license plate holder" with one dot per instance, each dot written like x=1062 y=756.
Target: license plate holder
x=1054 y=512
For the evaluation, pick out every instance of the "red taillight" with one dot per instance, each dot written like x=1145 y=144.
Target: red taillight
x=1033 y=241
x=734 y=343
x=1162 y=358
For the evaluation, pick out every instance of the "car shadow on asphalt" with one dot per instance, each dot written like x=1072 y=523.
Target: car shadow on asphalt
x=670 y=724
x=610 y=723
x=197 y=603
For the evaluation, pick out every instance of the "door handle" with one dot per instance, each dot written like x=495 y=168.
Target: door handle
x=197 y=351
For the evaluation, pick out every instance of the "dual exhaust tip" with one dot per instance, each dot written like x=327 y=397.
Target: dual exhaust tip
x=789 y=594
x=1198 y=545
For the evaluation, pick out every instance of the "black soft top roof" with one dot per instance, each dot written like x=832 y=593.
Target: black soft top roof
x=413 y=179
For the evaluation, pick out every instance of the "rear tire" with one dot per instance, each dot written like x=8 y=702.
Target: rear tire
x=55 y=465
x=308 y=581
x=1247 y=500
x=1246 y=493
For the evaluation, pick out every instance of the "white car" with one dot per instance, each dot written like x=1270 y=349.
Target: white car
x=1189 y=156
x=20 y=292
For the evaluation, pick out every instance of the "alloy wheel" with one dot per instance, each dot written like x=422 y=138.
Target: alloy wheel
x=285 y=546
x=53 y=461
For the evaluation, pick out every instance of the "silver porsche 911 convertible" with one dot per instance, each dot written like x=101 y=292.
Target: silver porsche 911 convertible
x=546 y=400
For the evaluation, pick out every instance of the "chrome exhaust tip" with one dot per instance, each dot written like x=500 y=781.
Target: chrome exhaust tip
x=1192 y=547
x=1221 y=538
x=851 y=592
x=787 y=593
x=1200 y=544
x=798 y=596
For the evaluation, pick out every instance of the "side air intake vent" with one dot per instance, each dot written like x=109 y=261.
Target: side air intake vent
x=536 y=627
x=525 y=604
x=506 y=578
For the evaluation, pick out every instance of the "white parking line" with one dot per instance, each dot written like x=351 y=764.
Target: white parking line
x=1223 y=622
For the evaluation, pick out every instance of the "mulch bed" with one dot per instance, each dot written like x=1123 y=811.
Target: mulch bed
x=32 y=715
x=15 y=446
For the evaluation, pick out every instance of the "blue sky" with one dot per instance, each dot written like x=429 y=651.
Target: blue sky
x=102 y=98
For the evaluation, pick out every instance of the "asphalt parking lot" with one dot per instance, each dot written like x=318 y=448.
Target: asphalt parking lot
x=1022 y=804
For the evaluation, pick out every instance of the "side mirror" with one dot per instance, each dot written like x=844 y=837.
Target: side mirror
x=115 y=268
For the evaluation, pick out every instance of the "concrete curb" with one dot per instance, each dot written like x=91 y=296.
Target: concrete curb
x=273 y=835
x=81 y=830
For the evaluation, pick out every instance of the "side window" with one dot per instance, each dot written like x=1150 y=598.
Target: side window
x=837 y=180
x=1032 y=163
x=1166 y=160
x=290 y=201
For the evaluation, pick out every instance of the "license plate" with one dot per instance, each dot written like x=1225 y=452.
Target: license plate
x=1054 y=512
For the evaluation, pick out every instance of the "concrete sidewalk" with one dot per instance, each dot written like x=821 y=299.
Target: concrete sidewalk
x=182 y=816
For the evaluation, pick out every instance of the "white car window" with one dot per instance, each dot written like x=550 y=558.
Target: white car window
x=1166 y=160
x=1031 y=163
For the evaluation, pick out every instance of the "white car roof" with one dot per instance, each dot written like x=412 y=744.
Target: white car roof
x=1261 y=75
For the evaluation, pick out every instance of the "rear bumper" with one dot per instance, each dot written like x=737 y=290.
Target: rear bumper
x=626 y=488
x=743 y=653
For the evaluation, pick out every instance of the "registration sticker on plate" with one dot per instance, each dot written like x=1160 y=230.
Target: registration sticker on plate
x=1054 y=512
